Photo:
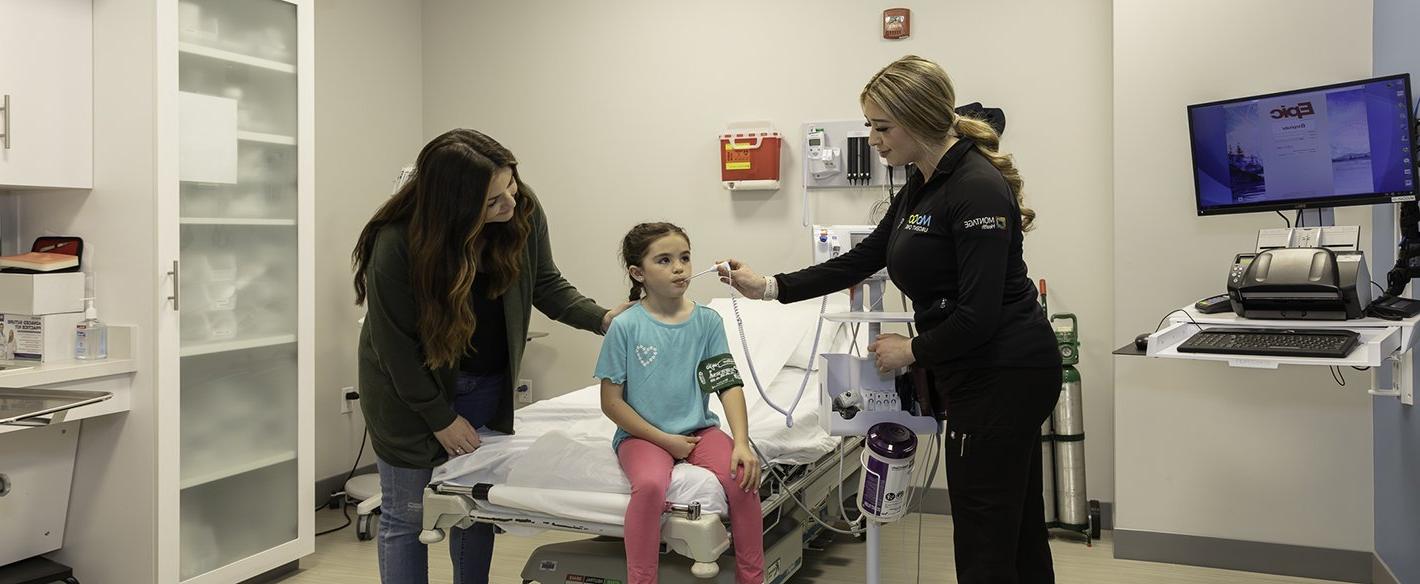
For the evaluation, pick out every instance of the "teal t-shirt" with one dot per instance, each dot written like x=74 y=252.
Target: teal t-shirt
x=668 y=371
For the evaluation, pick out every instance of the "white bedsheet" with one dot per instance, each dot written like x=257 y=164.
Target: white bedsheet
x=565 y=443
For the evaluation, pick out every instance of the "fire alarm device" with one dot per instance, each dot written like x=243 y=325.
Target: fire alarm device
x=897 y=23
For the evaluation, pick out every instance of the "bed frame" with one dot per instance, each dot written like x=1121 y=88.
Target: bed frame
x=701 y=538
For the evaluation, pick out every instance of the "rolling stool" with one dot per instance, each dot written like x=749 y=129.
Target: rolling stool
x=365 y=489
x=37 y=570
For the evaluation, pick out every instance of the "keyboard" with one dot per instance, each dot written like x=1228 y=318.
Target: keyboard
x=1324 y=343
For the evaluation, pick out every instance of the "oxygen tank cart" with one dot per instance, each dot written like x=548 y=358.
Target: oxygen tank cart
x=1063 y=440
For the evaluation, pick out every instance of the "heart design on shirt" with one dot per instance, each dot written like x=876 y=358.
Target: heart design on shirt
x=646 y=355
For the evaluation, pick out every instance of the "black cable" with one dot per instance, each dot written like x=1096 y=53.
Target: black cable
x=1337 y=376
x=1171 y=313
x=1378 y=287
x=345 y=508
x=358 y=454
x=1360 y=368
x=1284 y=218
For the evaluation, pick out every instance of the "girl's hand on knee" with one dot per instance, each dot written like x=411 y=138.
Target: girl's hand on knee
x=744 y=468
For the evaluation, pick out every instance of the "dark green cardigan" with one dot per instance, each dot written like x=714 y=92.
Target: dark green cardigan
x=404 y=401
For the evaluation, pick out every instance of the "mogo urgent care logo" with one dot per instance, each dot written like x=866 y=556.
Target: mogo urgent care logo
x=1298 y=111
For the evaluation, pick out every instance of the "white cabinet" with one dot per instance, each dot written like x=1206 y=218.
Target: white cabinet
x=235 y=352
x=46 y=92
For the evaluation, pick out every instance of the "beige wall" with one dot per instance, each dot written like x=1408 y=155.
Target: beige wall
x=613 y=109
x=1274 y=456
x=368 y=122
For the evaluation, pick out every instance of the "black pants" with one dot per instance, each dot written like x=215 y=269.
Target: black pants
x=994 y=475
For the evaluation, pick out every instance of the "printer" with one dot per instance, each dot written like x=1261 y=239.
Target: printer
x=1300 y=283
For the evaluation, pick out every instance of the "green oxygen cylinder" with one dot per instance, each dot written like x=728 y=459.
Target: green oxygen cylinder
x=1068 y=420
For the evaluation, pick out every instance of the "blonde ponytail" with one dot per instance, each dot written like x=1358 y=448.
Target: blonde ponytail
x=919 y=96
x=988 y=143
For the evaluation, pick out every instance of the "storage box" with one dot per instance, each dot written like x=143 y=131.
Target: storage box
x=47 y=338
x=39 y=294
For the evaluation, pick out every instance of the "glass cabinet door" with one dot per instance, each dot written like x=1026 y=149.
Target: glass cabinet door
x=238 y=194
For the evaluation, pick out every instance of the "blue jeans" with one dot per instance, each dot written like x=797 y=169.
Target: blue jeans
x=403 y=559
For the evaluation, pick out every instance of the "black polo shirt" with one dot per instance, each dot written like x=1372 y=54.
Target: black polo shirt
x=952 y=243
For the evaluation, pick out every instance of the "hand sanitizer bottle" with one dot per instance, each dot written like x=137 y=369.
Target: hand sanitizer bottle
x=91 y=336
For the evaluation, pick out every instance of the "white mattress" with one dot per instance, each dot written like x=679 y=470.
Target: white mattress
x=564 y=443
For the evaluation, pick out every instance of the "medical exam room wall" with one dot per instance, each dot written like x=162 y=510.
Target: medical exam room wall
x=1203 y=450
x=368 y=123
x=1397 y=427
x=613 y=110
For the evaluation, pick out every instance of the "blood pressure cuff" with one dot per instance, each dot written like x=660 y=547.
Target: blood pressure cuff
x=718 y=373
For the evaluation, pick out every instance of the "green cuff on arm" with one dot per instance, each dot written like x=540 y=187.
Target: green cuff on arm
x=718 y=374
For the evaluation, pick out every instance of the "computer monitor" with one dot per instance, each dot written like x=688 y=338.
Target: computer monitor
x=1330 y=146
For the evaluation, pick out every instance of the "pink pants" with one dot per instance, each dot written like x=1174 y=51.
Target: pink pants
x=649 y=469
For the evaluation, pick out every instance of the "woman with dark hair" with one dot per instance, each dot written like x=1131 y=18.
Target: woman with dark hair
x=449 y=270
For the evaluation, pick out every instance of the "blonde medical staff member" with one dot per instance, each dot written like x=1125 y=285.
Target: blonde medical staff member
x=952 y=241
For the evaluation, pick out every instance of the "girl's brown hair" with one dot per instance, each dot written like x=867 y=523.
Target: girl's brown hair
x=637 y=241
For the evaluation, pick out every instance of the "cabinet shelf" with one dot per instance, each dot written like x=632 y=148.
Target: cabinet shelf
x=211 y=348
x=237 y=58
x=120 y=361
x=246 y=222
x=242 y=468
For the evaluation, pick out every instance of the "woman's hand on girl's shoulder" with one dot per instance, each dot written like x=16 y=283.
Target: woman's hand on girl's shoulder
x=615 y=312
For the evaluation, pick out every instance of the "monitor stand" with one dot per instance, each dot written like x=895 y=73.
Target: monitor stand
x=1322 y=217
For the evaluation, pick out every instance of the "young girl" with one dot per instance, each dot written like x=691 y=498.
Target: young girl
x=659 y=364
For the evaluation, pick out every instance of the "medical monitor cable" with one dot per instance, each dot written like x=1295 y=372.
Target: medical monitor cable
x=795 y=498
x=852 y=531
x=749 y=361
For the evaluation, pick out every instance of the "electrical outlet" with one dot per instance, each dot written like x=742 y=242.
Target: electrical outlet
x=524 y=391
x=344 y=401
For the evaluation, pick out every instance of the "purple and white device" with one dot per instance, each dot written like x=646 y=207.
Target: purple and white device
x=887 y=472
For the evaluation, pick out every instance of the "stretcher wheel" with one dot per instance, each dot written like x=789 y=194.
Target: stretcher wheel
x=705 y=570
x=364 y=528
x=431 y=536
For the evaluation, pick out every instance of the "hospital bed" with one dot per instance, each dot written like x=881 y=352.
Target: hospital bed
x=559 y=471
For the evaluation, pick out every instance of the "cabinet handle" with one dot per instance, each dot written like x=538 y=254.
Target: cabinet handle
x=5 y=120
x=177 y=285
